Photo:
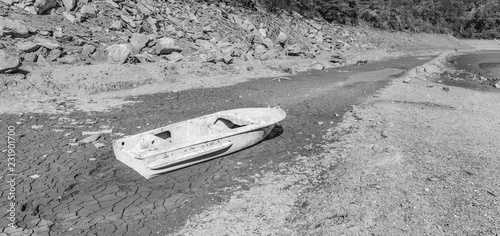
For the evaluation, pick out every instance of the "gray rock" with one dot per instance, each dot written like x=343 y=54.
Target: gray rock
x=87 y=9
x=58 y=32
x=268 y=42
x=45 y=42
x=174 y=57
x=170 y=30
x=236 y=19
x=282 y=37
x=13 y=27
x=42 y=61
x=31 y=9
x=118 y=53
x=44 y=33
x=138 y=42
x=264 y=57
x=8 y=2
x=42 y=6
x=128 y=19
x=337 y=58
x=260 y=49
x=8 y=62
x=207 y=29
x=53 y=55
x=315 y=25
x=317 y=66
x=69 y=4
x=27 y=46
x=88 y=49
x=69 y=59
x=227 y=59
x=248 y=25
x=497 y=85
x=166 y=46
x=69 y=17
x=407 y=80
x=263 y=32
x=116 y=25
x=30 y=57
x=91 y=138
x=294 y=50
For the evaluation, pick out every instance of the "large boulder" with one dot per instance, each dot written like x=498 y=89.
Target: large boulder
x=8 y=62
x=166 y=46
x=13 y=27
x=138 y=42
x=118 y=53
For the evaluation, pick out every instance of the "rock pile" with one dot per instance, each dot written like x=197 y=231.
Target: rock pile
x=142 y=31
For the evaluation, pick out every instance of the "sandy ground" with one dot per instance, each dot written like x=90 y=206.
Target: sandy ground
x=420 y=158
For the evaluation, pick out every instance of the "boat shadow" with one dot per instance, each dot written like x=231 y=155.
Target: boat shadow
x=275 y=132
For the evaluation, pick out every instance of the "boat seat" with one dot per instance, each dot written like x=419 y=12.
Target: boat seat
x=148 y=142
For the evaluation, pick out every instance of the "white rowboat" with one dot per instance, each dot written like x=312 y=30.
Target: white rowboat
x=196 y=140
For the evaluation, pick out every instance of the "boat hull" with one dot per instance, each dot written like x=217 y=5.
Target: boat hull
x=153 y=163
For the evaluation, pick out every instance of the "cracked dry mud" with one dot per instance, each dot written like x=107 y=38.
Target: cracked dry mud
x=66 y=187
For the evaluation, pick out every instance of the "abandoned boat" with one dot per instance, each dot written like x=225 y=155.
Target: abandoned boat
x=193 y=141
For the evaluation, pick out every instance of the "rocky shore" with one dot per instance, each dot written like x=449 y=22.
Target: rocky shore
x=81 y=52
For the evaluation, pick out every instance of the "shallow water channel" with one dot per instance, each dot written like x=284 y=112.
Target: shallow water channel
x=471 y=66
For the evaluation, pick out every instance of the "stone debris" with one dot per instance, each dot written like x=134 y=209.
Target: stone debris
x=99 y=145
x=317 y=66
x=27 y=46
x=166 y=46
x=149 y=30
x=41 y=6
x=13 y=27
x=407 y=80
x=174 y=57
x=138 y=42
x=118 y=53
x=105 y=131
x=8 y=62
x=91 y=138
x=46 y=42
x=35 y=176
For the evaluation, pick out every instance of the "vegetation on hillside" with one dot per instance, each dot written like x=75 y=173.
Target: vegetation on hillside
x=462 y=18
